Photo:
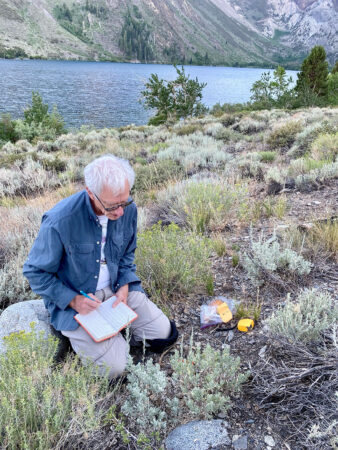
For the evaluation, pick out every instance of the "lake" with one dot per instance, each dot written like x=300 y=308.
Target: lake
x=107 y=94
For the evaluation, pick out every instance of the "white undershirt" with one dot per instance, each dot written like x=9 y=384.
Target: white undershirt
x=104 y=276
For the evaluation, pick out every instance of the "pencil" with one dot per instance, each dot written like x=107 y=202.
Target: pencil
x=86 y=295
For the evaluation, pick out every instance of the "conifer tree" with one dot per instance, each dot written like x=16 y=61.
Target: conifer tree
x=335 y=68
x=173 y=99
x=312 y=79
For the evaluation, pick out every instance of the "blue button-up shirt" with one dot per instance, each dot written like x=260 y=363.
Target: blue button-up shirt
x=65 y=257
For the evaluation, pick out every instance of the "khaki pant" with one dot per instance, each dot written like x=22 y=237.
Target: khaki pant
x=112 y=353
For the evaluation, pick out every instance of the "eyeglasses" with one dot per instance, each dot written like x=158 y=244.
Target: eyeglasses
x=114 y=208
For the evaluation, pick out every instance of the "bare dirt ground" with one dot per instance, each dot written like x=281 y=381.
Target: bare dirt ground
x=247 y=417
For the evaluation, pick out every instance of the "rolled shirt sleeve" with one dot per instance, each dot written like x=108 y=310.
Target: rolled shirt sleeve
x=43 y=263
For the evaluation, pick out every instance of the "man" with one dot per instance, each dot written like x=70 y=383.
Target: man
x=87 y=243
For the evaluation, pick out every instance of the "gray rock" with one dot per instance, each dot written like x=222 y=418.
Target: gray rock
x=240 y=443
x=262 y=351
x=198 y=435
x=231 y=335
x=19 y=316
x=269 y=440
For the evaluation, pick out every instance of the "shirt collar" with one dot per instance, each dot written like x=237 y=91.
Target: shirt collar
x=91 y=213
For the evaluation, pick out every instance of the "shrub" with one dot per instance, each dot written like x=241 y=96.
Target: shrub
x=7 y=129
x=156 y=174
x=319 y=242
x=304 y=165
x=305 y=138
x=325 y=147
x=211 y=204
x=276 y=174
x=265 y=257
x=284 y=136
x=205 y=379
x=249 y=125
x=219 y=132
x=26 y=177
x=156 y=148
x=314 y=177
x=248 y=310
x=201 y=204
x=219 y=244
x=195 y=151
x=18 y=229
x=305 y=319
x=187 y=129
x=251 y=167
x=268 y=207
x=133 y=135
x=267 y=156
x=172 y=262
x=49 y=402
x=38 y=122
x=146 y=385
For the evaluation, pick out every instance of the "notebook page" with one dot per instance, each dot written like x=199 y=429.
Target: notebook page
x=119 y=316
x=96 y=325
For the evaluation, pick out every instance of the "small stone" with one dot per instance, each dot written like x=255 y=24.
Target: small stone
x=316 y=202
x=231 y=335
x=269 y=440
x=241 y=443
x=250 y=421
x=201 y=435
x=221 y=415
x=261 y=352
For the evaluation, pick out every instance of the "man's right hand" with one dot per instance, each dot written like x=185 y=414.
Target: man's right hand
x=83 y=305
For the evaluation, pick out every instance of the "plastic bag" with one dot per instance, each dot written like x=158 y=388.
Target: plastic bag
x=209 y=314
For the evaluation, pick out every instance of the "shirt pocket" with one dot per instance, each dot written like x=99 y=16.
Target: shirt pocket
x=82 y=257
x=116 y=246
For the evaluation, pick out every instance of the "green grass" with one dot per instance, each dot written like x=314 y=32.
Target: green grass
x=41 y=402
x=173 y=263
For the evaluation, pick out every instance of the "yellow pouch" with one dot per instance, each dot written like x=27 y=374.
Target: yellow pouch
x=225 y=313
x=245 y=325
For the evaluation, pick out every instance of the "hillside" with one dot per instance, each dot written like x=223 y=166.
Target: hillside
x=192 y=31
x=247 y=204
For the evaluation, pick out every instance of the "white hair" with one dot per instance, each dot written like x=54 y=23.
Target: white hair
x=110 y=171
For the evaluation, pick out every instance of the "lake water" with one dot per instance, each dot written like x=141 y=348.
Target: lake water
x=107 y=94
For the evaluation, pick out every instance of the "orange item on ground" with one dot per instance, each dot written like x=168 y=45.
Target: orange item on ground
x=225 y=313
x=245 y=325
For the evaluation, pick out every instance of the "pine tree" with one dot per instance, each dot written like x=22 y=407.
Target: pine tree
x=173 y=99
x=335 y=68
x=312 y=79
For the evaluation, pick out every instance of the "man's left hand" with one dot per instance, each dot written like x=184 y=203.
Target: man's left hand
x=121 y=295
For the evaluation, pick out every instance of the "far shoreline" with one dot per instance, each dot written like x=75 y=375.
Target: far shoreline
x=272 y=67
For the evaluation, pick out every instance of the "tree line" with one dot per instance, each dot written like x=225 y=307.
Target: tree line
x=135 y=38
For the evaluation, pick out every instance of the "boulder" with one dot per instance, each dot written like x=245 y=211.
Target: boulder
x=199 y=435
x=19 y=316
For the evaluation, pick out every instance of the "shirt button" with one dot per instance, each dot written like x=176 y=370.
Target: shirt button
x=98 y=242
x=95 y=276
x=97 y=260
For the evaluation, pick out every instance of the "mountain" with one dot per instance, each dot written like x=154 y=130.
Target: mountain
x=223 y=32
x=298 y=24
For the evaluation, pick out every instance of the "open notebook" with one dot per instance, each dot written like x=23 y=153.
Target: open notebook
x=106 y=321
